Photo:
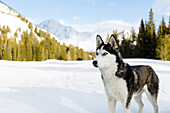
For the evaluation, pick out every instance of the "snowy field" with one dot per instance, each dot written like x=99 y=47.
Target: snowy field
x=67 y=87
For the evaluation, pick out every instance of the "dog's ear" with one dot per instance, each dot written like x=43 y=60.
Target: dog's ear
x=112 y=42
x=98 y=41
x=114 y=45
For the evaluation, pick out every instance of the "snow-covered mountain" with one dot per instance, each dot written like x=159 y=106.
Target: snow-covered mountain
x=62 y=33
x=17 y=24
x=85 y=40
x=59 y=30
x=67 y=34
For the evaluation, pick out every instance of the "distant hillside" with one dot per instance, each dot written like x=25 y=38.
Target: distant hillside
x=20 y=40
x=59 y=30
x=85 y=40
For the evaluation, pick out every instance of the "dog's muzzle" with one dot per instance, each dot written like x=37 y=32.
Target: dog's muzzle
x=95 y=63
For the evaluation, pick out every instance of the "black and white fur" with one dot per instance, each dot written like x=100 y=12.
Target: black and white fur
x=122 y=81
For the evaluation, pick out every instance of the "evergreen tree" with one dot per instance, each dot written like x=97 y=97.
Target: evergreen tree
x=8 y=29
x=141 y=40
x=15 y=35
x=19 y=29
x=43 y=54
x=7 y=50
x=36 y=30
x=162 y=46
x=14 y=50
x=50 y=45
x=34 y=49
x=123 y=44
x=133 y=35
x=39 y=52
x=74 y=54
x=24 y=46
x=4 y=31
x=152 y=35
x=164 y=50
x=40 y=33
x=19 y=55
x=85 y=55
x=169 y=26
x=47 y=43
x=64 y=51
x=71 y=52
x=80 y=54
x=4 y=50
x=3 y=36
x=29 y=45
x=126 y=47
x=19 y=15
x=132 y=42
x=59 y=52
x=9 y=53
x=30 y=25
x=163 y=27
x=26 y=20
x=1 y=43
x=54 y=49
x=46 y=54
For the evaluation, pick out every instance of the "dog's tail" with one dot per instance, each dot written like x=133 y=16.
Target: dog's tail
x=153 y=83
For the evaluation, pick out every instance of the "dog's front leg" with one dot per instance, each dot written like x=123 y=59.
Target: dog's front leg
x=112 y=105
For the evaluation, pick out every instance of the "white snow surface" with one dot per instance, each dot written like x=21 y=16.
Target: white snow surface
x=54 y=86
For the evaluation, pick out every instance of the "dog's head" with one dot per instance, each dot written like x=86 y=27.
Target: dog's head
x=106 y=54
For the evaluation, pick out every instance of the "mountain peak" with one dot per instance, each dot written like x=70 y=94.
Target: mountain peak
x=56 y=28
x=51 y=22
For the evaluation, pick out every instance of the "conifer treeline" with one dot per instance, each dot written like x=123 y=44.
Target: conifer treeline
x=149 y=42
x=30 y=48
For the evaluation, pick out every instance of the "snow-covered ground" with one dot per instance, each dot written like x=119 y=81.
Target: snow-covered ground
x=67 y=87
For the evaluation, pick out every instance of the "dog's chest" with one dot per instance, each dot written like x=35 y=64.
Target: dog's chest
x=115 y=86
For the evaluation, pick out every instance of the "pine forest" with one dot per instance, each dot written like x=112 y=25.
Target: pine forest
x=149 y=42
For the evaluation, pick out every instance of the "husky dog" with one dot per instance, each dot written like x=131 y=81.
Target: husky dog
x=122 y=81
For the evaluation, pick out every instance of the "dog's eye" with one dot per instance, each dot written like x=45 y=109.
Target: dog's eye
x=104 y=53
x=97 y=53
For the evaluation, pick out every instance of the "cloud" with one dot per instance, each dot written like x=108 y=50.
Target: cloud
x=162 y=7
x=106 y=25
x=76 y=18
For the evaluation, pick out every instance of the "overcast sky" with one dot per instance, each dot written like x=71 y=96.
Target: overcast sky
x=89 y=15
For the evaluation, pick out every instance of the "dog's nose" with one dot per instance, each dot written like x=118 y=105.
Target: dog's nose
x=95 y=63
